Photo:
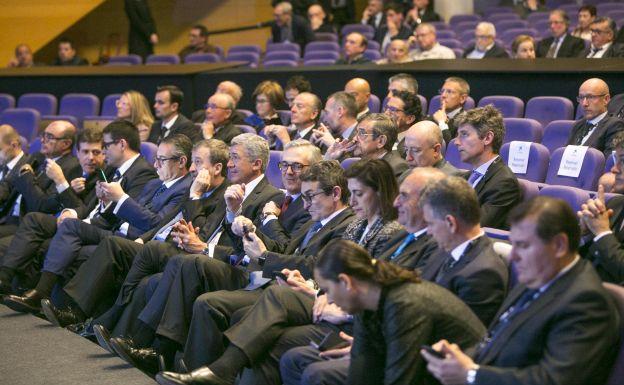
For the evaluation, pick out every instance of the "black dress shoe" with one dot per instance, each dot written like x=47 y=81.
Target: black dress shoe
x=201 y=376
x=143 y=359
x=5 y=287
x=59 y=317
x=103 y=337
x=30 y=302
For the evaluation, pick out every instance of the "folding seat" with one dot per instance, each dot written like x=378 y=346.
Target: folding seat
x=466 y=37
x=35 y=146
x=24 y=120
x=446 y=34
x=280 y=63
x=245 y=48
x=465 y=26
x=527 y=130
x=107 y=115
x=281 y=47
x=506 y=24
x=434 y=104
x=508 y=36
x=313 y=55
x=373 y=45
x=364 y=29
x=529 y=189
x=251 y=58
x=535 y=17
x=608 y=8
x=545 y=109
x=131 y=59
x=459 y=53
x=556 y=134
x=488 y=11
x=284 y=116
x=609 y=162
x=45 y=103
x=109 y=105
x=440 y=26
x=148 y=151
x=162 y=59
x=451 y=43
x=202 y=58
x=456 y=19
x=6 y=101
x=281 y=55
x=509 y=106
x=574 y=196
x=79 y=105
x=319 y=62
x=591 y=169
x=452 y=156
x=273 y=173
x=570 y=9
x=372 y=54
x=345 y=164
x=374 y=105
x=537 y=167
x=321 y=46
x=326 y=36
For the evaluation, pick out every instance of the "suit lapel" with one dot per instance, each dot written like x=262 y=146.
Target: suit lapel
x=329 y=227
x=491 y=171
x=595 y=135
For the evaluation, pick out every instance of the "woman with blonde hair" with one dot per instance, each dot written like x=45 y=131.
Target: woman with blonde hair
x=269 y=97
x=134 y=107
x=523 y=47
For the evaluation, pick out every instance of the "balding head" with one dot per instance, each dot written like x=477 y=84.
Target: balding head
x=61 y=138
x=10 y=144
x=410 y=213
x=232 y=89
x=423 y=144
x=220 y=108
x=594 y=97
x=360 y=89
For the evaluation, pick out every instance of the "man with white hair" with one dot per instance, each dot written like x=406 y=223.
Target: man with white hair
x=290 y=28
x=485 y=45
x=427 y=44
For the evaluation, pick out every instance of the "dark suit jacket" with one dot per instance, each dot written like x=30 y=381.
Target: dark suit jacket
x=291 y=220
x=141 y=27
x=148 y=210
x=398 y=164
x=8 y=193
x=403 y=34
x=359 y=60
x=428 y=16
x=495 y=52
x=570 y=46
x=614 y=51
x=38 y=191
x=602 y=137
x=301 y=32
x=568 y=335
x=303 y=259
x=616 y=104
x=181 y=126
x=498 y=192
x=415 y=255
x=227 y=132
x=69 y=199
x=479 y=278
x=200 y=115
x=385 y=346
x=451 y=132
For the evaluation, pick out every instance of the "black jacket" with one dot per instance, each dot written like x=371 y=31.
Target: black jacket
x=570 y=46
x=301 y=32
x=181 y=126
x=495 y=52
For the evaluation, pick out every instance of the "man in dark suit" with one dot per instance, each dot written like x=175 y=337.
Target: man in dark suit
x=561 y=43
x=597 y=128
x=479 y=139
x=557 y=326
x=93 y=289
x=67 y=55
x=466 y=264
x=404 y=109
x=225 y=87
x=218 y=122
x=603 y=45
x=339 y=121
x=353 y=51
x=453 y=95
x=485 y=46
x=142 y=34
x=394 y=27
x=305 y=114
x=167 y=105
x=289 y=27
x=121 y=149
x=616 y=105
x=373 y=14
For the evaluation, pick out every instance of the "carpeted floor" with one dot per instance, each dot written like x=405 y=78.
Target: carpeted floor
x=33 y=351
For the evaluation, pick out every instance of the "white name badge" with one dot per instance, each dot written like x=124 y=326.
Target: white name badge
x=518 y=160
x=572 y=161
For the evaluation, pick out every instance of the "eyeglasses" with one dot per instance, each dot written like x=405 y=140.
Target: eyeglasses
x=482 y=37
x=261 y=101
x=160 y=160
x=443 y=91
x=590 y=98
x=295 y=166
x=363 y=134
x=394 y=109
x=213 y=106
x=307 y=198
x=106 y=145
x=47 y=137
x=598 y=31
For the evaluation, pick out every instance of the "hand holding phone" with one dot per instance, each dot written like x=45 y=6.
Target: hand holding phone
x=433 y=352
x=246 y=233
x=279 y=274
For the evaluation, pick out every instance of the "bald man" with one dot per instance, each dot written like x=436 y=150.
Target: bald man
x=597 y=127
x=218 y=123
x=360 y=89
x=353 y=51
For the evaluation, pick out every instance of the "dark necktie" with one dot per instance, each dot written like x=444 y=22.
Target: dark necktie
x=408 y=239
x=311 y=231
x=582 y=133
x=159 y=191
x=451 y=262
x=521 y=304
x=553 y=49
x=5 y=171
x=474 y=175
x=287 y=201
x=116 y=176
x=594 y=51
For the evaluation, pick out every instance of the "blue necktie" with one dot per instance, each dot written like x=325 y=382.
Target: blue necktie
x=474 y=175
x=410 y=237
x=117 y=176
x=313 y=230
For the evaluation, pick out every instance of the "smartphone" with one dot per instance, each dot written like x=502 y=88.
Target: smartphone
x=331 y=341
x=102 y=175
x=246 y=233
x=433 y=352
x=279 y=274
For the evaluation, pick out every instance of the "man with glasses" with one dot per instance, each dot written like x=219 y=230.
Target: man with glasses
x=597 y=128
x=453 y=96
x=485 y=43
x=427 y=44
x=167 y=106
x=218 y=123
x=402 y=82
x=353 y=51
x=602 y=40
x=561 y=43
x=423 y=148
x=198 y=42
x=305 y=114
x=404 y=109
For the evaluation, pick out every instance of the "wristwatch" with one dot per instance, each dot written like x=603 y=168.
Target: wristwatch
x=471 y=376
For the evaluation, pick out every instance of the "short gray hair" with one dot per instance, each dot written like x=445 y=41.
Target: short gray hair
x=312 y=151
x=346 y=101
x=383 y=125
x=410 y=82
x=256 y=147
x=489 y=26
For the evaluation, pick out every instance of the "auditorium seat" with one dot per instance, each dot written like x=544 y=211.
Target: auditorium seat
x=273 y=173
x=148 y=151
x=345 y=164
x=535 y=17
x=364 y=29
x=446 y=34
x=509 y=106
x=539 y=158
x=245 y=48
x=451 y=43
x=284 y=116
x=250 y=58
x=434 y=104
x=545 y=109
x=529 y=189
x=373 y=45
x=321 y=46
x=452 y=156
x=194 y=58
x=372 y=54
x=319 y=62
x=591 y=169
x=465 y=26
x=24 y=120
x=315 y=55
x=79 y=105
x=509 y=35
x=109 y=105
x=617 y=372
x=326 y=36
x=556 y=134
x=440 y=26
x=35 y=146
x=131 y=59
x=608 y=7
x=280 y=63
x=456 y=19
x=374 y=105
x=574 y=196
x=283 y=47
x=527 y=130
x=6 y=101
x=507 y=23
x=45 y=103
x=491 y=10
x=609 y=162
x=162 y=59
x=281 y=55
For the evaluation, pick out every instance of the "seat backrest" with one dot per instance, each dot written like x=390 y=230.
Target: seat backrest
x=575 y=197
x=509 y=106
x=452 y=156
x=545 y=109
x=284 y=116
x=326 y=36
x=162 y=59
x=529 y=189
x=251 y=58
x=322 y=46
x=591 y=169
x=374 y=105
x=364 y=29
x=556 y=134
x=372 y=54
x=527 y=130
x=273 y=173
x=131 y=59
x=539 y=158
x=79 y=105
x=617 y=372
x=202 y=58
x=245 y=48
x=448 y=34
x=511 y=22
x=280 y=63
x=24 y=120
x=456 y=19
x=283 y=47
x=45 y=103
x=6 y=101
x=313 y=55
x=319 y=62
x=109 y=105
x=281 y=55
x=148 y=151
x=345 y=164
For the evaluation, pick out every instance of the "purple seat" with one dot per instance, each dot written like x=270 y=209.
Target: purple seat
x=451 y=43
x=109 y=105
x=591 y=170
x=465 y=26
x=570 y=9
x=315 y=46
x=458 y=52
x=609 y=162
x=580 y=112
x=527 y=130
x=280 y=63
x=509 y=106
x=604 y=8
x=374 y=105
x=510 y=23
x=448 y=34
x=529 y=189
x=163 y=59
x=538 y=162
x=373 y=45
x=46 y=104
x=247 y=113
x=319 y=62
x=273 y=173
x=372 y=54
x=131 y=59
x=556 y=134
x=535 y=17
x=284 y=116
x=202 y=58
x=79 y=105
x=502 y=16
x=617 y=371
x=509 y=35
x=281 y=55
x=313 y=55
x=24 y=120
x=6 y=101
x=283 y=47
x=345 y=164
x=545 y=109
x=148 y=151
x=246 y=129
x=456 y=19
x=326 y=36
x=251 y=58
x=434 y=104
x=364 y=29
x=574 y=196
x=488 y=11
x=452 y=156
x=35 y=146
x=440 y=26
x=245 y=48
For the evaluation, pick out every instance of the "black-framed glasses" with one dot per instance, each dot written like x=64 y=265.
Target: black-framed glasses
x=106 y=145
x=213 y=106
x=443 y=91
x=590 y=98
x=161 y=160
x=307 y=198
x=295 y=166
x=598 y=31
x=47 y=137
x=394 y=109
x=363 y=134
